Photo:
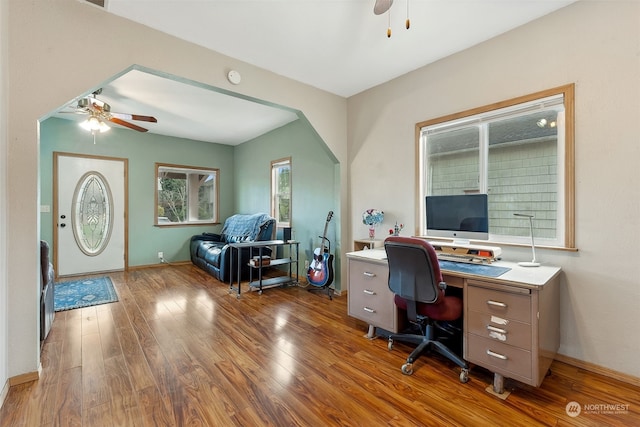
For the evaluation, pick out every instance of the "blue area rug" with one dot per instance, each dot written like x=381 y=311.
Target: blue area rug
x=477 y=269
x=83 y=293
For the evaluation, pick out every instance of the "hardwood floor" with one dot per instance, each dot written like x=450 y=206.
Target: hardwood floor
x=178 y=350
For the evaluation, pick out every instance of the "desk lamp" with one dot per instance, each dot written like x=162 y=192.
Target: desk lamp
x=533 y=262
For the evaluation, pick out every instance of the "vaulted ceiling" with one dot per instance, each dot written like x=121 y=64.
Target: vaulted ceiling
x=339 y=46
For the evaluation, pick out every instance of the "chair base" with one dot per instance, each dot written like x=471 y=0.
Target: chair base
x=424 y=343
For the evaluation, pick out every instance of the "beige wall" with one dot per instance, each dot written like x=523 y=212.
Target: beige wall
x=60 y=49
x=4 y=318
x=593 y=44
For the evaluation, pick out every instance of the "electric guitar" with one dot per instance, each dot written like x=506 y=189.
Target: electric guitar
x=320 y=271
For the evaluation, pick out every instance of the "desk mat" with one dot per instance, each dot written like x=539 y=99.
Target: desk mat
x=476 y=269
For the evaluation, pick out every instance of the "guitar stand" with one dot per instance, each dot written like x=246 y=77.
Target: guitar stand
x=319 y=289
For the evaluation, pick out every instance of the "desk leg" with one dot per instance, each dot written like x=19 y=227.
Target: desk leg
x=497 y=388
x=498 y=383
x=371 y=334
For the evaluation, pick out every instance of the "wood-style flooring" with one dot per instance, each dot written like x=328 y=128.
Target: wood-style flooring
x=179 y=350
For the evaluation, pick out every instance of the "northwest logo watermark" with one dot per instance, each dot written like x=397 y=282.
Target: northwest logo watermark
x=573 y=409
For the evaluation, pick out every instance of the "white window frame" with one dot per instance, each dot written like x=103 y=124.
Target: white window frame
x=565 y=237
x=276 y=165
x=193 y=184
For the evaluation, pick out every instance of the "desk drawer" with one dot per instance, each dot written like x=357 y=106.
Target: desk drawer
x=369 y=296
x=498 y=357
x=502 y=304
x=513 y=332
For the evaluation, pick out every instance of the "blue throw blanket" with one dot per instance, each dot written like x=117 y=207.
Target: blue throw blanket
x=243 y=227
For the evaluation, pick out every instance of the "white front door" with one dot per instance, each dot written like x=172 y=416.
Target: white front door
x=90 y=213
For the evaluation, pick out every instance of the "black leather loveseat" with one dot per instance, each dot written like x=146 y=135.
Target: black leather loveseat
x=211 y=252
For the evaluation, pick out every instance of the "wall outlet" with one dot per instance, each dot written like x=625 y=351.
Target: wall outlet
x=160 y=255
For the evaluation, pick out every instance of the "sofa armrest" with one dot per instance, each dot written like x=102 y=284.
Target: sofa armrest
x=212 y=237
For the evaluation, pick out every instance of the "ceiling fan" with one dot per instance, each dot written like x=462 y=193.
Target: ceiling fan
x=383 y=6
x=100 y=112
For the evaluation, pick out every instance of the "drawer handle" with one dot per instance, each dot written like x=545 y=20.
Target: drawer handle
x=497 y=355
x=498 y=330
x=368 y=274
x=369 y=310
x=497 y=304
x=369 y=292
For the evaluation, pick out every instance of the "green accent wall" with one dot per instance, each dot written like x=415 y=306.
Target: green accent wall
x=142 y=150
x=244 y=182
x=314 y=184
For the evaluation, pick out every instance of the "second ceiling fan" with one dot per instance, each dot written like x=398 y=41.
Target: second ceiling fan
x=100 y=112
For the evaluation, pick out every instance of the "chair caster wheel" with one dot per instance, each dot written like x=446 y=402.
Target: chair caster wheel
x=464 y=376
x=407 y=368
x=390 y=344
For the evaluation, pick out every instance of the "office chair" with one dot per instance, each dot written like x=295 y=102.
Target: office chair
x=416 y=281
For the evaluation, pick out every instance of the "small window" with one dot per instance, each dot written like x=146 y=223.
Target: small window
x=186 y=195
x=281 y=191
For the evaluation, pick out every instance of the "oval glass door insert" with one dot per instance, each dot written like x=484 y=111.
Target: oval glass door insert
x=92 y=213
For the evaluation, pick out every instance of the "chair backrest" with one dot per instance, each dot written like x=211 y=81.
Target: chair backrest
x=414 y=271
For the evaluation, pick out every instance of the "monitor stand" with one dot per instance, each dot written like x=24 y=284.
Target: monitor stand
x=471 y=251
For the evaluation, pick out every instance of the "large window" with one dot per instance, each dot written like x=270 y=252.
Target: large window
x=281 y=191
x=186 y=195
x=519 y=152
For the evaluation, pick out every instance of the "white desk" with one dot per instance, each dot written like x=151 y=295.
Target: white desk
x=510 y=325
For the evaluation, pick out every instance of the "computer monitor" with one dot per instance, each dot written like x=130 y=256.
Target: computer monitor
x=460 y=217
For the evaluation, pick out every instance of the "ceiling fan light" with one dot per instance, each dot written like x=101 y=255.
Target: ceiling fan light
x=86 y=124
x=103 y=127
x=94 y=124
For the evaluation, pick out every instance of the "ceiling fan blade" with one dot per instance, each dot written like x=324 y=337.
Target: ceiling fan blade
x=74 y=112
x=127 y=124
x=138 y=117
x=382 y=6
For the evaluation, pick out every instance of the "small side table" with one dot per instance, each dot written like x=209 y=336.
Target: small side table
x=255 y=248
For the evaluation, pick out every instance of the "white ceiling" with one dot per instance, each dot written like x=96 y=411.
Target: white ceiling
x=339 y=46
x=186 y=109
